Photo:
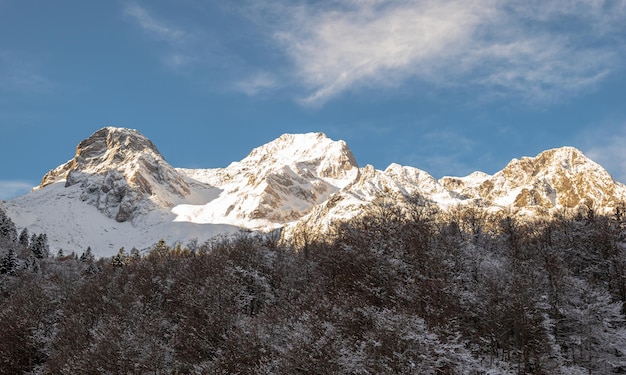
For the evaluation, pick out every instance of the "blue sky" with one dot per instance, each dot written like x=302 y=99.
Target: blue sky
x=447 y=86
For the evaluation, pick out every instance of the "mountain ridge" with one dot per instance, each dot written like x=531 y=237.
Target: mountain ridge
x=295 y=179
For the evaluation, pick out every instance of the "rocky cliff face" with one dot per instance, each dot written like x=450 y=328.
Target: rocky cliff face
x=120 y=171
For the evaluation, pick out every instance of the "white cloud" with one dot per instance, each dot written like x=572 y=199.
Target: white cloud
x=257 y=83
x=153 y=26
x=12 y=189
x=537 y=50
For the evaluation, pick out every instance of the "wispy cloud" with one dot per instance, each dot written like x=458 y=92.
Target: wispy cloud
x=180 y=51
x=12 y=189
x=257 y=83
x=191 y=45
x=20 y=75
x=152 y=26
x=536 y=50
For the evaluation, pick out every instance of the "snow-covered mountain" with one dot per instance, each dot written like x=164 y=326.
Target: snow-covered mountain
x=122 y=174
x=118 y=190
x=275 y=184
x=555 y=179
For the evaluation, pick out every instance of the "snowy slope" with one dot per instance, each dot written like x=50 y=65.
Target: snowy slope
x=395 y=184
x=72 y=224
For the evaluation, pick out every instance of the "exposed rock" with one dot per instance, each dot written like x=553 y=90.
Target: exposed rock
x=557 y=178
x=117 y=170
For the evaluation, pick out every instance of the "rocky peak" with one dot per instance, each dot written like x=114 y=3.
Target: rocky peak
x=466 y=187
x=565 y=159
x=557 y=178
x=278 y=182
x=108 y=148
x=117 y=168
x=312 y=153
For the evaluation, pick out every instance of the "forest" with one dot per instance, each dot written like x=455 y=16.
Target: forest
x=403 y=289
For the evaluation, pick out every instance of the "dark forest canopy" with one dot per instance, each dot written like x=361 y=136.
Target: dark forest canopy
x=406 y=290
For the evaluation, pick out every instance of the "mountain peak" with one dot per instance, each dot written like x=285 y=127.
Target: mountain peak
x=335 y=157
x=117 y=168
x=107 y=148
x=561 y=177
x=277 y=182
x=311 y=154
x=566 y=159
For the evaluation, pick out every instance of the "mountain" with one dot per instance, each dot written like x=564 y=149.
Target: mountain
x=118 y=190
x=121 y=173
x=562 y=178
x=275 y=184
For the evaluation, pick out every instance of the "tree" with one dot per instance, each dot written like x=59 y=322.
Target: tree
x=159 y=251
x=24 y=239
x=120 y=259
x=39 y=246
x=87 y=256
x=591 y=328
x=7 y=227
x=8 y=264
x=135 y=254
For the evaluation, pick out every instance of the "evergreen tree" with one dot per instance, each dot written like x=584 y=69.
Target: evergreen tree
x=44 y=245
x=32 y=242
x=135 y=254
x=92 y=269
x=8 y=264
x=24 y=239
x=120 y=259
x=87 y=256
x=7 y=227
x=39 y=246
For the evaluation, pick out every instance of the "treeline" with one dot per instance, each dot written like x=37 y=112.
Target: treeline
x=401 y=290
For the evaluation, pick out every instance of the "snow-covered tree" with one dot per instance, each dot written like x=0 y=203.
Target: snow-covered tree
x=7 y=227
x=24 y=238
x=87 y=256
x=8 y=263
x=39 y=246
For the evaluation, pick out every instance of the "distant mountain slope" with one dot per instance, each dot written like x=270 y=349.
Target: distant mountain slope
x=118 y=190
